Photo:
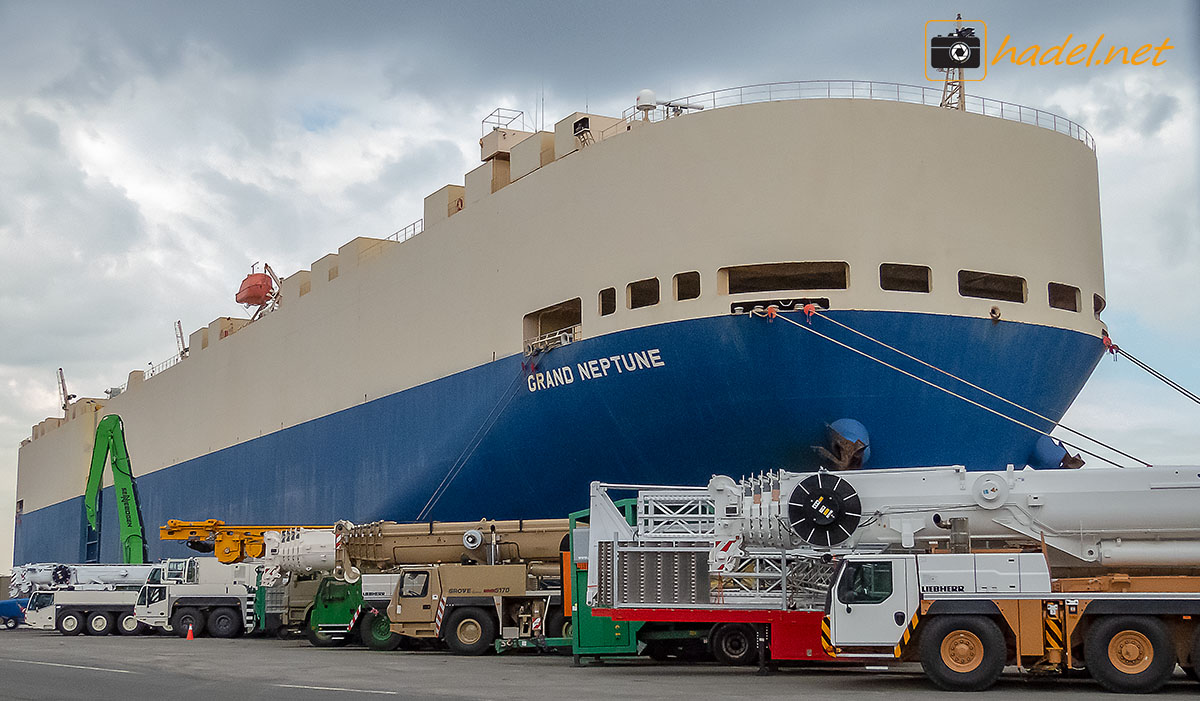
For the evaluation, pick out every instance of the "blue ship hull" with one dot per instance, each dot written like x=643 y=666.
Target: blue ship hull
x=679 y=403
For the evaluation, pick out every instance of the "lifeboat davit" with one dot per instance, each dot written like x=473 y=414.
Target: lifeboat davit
x=256 y=289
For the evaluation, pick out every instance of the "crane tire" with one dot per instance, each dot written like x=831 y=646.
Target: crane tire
x=318 y=639
x=128 y=624
x=224 y=622
x=554 y=623
x=11 y=623
x=185 y=617
x=469 y=631
x=375 y=632
x=734 y=644
x=962 y=653
x=70 y=623
x=1129 y=654
x=98 y=623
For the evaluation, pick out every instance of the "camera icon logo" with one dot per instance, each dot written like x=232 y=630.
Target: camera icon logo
x=952 y=45
x=955 y=51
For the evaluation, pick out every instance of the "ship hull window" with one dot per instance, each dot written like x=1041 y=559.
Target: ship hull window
x=774 y=277
x=904 y=278
x=643 y=293
x=1064 y=296
x=608 y=301
x=687 y=286
x=1006 y=288
x=566 y=315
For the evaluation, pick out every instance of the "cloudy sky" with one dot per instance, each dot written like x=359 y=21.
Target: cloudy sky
x=150 y=152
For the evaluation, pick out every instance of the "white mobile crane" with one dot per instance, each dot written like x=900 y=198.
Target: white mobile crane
x=91 y=598
x=965 y=572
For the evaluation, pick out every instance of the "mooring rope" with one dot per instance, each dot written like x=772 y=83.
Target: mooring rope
x=1117 y=350
x=977 y=387
x=772 y=313
x=469 y=450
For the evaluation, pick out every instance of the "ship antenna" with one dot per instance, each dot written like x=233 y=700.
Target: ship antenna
x=954 y=94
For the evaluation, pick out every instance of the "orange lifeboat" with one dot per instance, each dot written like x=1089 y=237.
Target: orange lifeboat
x=256 y=290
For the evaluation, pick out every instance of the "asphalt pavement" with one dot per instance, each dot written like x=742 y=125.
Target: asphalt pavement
x=40 y=665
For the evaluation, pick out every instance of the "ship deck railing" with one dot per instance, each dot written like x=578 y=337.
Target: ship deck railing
x=855 y=90
x=407 y=232
x=553 y=339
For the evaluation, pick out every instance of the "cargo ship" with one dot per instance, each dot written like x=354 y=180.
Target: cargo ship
x=588 y=304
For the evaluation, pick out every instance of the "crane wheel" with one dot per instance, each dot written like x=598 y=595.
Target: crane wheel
x=187 y=617
x=99 y=623
x=10 y=623
x=70 y=623
x=128 y=624
x=1129 y=654
x=318 y=639
x=962 y=653
x=375 y=631
x=554 y=624
x=469 y=631
x=734 y=644
x=224 y=622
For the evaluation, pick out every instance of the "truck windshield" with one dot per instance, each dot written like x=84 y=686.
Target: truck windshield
x=39 y=600
x=155 y=576
x=865 y=583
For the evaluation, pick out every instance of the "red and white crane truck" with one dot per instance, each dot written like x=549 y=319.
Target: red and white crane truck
x=964 y=572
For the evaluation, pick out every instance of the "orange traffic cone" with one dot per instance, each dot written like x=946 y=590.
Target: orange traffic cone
x=190 y=636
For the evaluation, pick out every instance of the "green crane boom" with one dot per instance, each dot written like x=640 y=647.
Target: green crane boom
x=110 y=440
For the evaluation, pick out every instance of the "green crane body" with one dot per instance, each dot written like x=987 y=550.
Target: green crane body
x=110 y=441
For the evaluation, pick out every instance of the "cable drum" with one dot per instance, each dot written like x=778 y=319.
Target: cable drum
x=61 y=575
x=824 y=509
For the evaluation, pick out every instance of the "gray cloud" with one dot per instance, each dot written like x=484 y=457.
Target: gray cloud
x=152 y=151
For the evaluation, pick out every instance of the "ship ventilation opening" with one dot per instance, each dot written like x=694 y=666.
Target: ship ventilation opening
x=687 y=286
x=556 y=325
x=608 y=301
x=904 y=278
x=1097 y=305
x=1006 y=288
x=773 y=277
x=1064 y=297
x=643 y=293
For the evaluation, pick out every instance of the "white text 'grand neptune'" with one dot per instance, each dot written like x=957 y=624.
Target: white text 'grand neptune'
x=596 y=369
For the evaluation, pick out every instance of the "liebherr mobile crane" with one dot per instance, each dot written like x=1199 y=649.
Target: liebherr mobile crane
x=292 y=563
x=487 y=581
x=965 y=572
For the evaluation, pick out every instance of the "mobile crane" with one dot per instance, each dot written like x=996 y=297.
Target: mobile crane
x=965 y=572
x=475 y=586
x=294 y=559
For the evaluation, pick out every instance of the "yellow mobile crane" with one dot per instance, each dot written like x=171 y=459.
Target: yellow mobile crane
x=230 y=544
x=301 y=554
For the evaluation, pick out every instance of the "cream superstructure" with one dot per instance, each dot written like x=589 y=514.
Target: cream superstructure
x=863 y=182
